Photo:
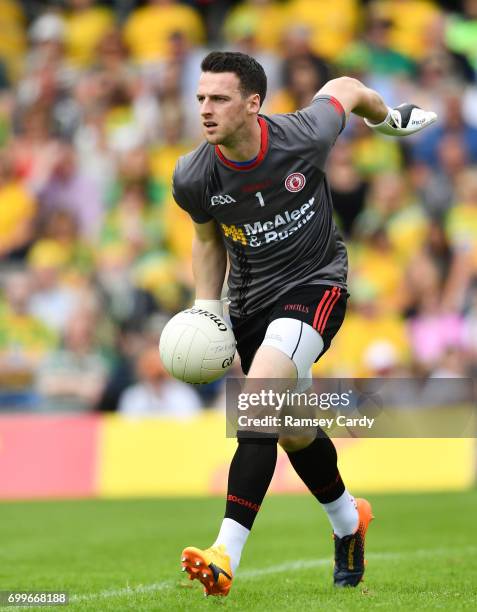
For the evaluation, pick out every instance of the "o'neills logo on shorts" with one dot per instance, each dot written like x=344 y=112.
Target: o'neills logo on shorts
x=296 y=307
x=243 y=502
x=295 y=181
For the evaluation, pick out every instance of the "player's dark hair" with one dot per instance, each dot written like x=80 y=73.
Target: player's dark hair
x=250 y=73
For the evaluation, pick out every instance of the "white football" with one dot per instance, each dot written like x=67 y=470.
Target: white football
x=197 y=346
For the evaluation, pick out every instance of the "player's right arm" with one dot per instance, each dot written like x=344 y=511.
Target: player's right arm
x=209 y=257
x=209 y=261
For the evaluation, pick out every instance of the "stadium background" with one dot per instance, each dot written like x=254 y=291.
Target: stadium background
x=96 y=104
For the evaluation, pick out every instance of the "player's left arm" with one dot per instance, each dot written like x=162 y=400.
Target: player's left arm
x=356 y=98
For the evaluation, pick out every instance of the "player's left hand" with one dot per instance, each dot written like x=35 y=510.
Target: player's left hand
x=404 y=120
x=214 y=306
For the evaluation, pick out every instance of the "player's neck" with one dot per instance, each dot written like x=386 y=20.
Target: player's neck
x=247 y=145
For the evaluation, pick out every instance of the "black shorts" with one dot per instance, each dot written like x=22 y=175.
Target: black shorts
x=321 y=306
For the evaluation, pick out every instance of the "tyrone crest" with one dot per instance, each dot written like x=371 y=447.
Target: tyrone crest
x=295 y=182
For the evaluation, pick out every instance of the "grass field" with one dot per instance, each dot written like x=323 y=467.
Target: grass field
x=124 y=555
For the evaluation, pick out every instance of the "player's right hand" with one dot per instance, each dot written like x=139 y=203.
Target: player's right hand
x=404 y=120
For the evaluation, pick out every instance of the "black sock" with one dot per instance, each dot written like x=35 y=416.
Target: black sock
x=250 y=474
x=317 y=466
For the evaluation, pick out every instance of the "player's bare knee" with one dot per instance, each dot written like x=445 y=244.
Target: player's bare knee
x=270 y=362
x=291 y=444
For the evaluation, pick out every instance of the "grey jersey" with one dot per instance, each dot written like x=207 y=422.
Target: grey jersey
x=275 y=213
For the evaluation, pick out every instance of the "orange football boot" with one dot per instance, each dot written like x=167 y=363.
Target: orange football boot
x=210 y=566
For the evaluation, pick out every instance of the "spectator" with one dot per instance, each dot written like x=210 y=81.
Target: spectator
x=149 y=27
x=24 y=342
x=60 y=185
x=134 y=218
x=96 y=157
x=249 y=17
x=52 y=302
x=426 y=148
x=187 y=58
x=456 y=64
x=375 y=265
x=297 y=42
x=13 y=39
x=170 y=97
x=392 y=205
x=303 y=76
x=156 y=394
x=461 y=227
x=372 y=154
x=452 y=364
x=17 y=214
x=461 y=32
x=462 y=218
x=437 y=187
x=174 y=143
x=333 y=25
x=48 y=78
x=428 y=269
x=127 y=304
x=32 y=140
x=348 y=188
x=410 y=20
x=128 y=345
x=381 y=360
x=73 y=377
x=433 y=332
x=86 y=24
x=47 y=35
x=374 y=54
x=111 y=56
x=61 y=230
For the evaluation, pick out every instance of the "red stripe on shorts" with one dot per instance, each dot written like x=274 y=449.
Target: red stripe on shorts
x=327 y=310
x=319 y=307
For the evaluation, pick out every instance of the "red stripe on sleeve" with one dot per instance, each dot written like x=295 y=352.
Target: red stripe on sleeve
x=337 y=106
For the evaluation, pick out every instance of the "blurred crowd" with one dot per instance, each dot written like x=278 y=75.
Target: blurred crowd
x=97 y=101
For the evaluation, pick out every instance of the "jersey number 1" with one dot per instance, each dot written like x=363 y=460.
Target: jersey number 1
x=259 y=196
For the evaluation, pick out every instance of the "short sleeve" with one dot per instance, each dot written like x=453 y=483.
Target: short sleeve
x=188 y=195
x=323 y=121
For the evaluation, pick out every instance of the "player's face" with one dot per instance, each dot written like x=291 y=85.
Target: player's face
x=223 y=109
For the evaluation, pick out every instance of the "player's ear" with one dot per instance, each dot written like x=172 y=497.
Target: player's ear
x=253 y=103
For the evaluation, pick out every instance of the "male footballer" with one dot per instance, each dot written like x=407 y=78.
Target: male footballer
x=256 y=191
